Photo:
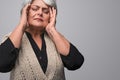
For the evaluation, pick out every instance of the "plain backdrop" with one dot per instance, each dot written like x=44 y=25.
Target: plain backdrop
x=93 y=26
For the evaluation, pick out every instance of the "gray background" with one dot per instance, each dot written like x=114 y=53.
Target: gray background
x=91 y=25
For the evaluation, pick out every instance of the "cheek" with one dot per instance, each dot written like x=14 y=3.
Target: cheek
x=30 y=17
x=47 y=18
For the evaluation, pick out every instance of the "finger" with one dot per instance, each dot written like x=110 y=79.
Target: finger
x=26 y=7
x=50 y=12
x=54 y=11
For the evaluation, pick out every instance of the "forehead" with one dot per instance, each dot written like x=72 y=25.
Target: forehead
x=39 y=3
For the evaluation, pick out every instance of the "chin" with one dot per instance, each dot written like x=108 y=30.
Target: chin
x=38 y=25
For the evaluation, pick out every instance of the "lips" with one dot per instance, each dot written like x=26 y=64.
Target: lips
x=38 y=19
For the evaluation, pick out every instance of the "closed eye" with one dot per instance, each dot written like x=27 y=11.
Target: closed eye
x=45 y=10
x=35 y=8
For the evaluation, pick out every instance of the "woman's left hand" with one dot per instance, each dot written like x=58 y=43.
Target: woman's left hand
x=52 y=22
x=61 y=43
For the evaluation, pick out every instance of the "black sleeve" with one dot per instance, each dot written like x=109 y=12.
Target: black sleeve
x=8 y=55
x=74 y=59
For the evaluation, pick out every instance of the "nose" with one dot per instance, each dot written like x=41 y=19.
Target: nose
x=40 y=13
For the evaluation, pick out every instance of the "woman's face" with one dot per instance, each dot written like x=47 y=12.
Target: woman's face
x=38 y=15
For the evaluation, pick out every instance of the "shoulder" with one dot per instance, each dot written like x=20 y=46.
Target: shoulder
x=5 y=37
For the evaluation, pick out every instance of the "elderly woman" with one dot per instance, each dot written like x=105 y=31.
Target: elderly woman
x=35 y=50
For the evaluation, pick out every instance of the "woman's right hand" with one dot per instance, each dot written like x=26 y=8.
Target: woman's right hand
x=17 y=33
x=24 y=14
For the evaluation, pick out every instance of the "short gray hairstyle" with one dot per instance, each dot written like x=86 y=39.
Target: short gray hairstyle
x=51 y=3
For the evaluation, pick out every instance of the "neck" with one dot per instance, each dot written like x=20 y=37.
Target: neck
x=35 y=32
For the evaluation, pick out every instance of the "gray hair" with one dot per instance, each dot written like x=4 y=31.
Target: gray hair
x=51 y=3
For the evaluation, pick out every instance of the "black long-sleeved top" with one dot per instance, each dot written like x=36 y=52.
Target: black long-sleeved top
x=8 y=55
